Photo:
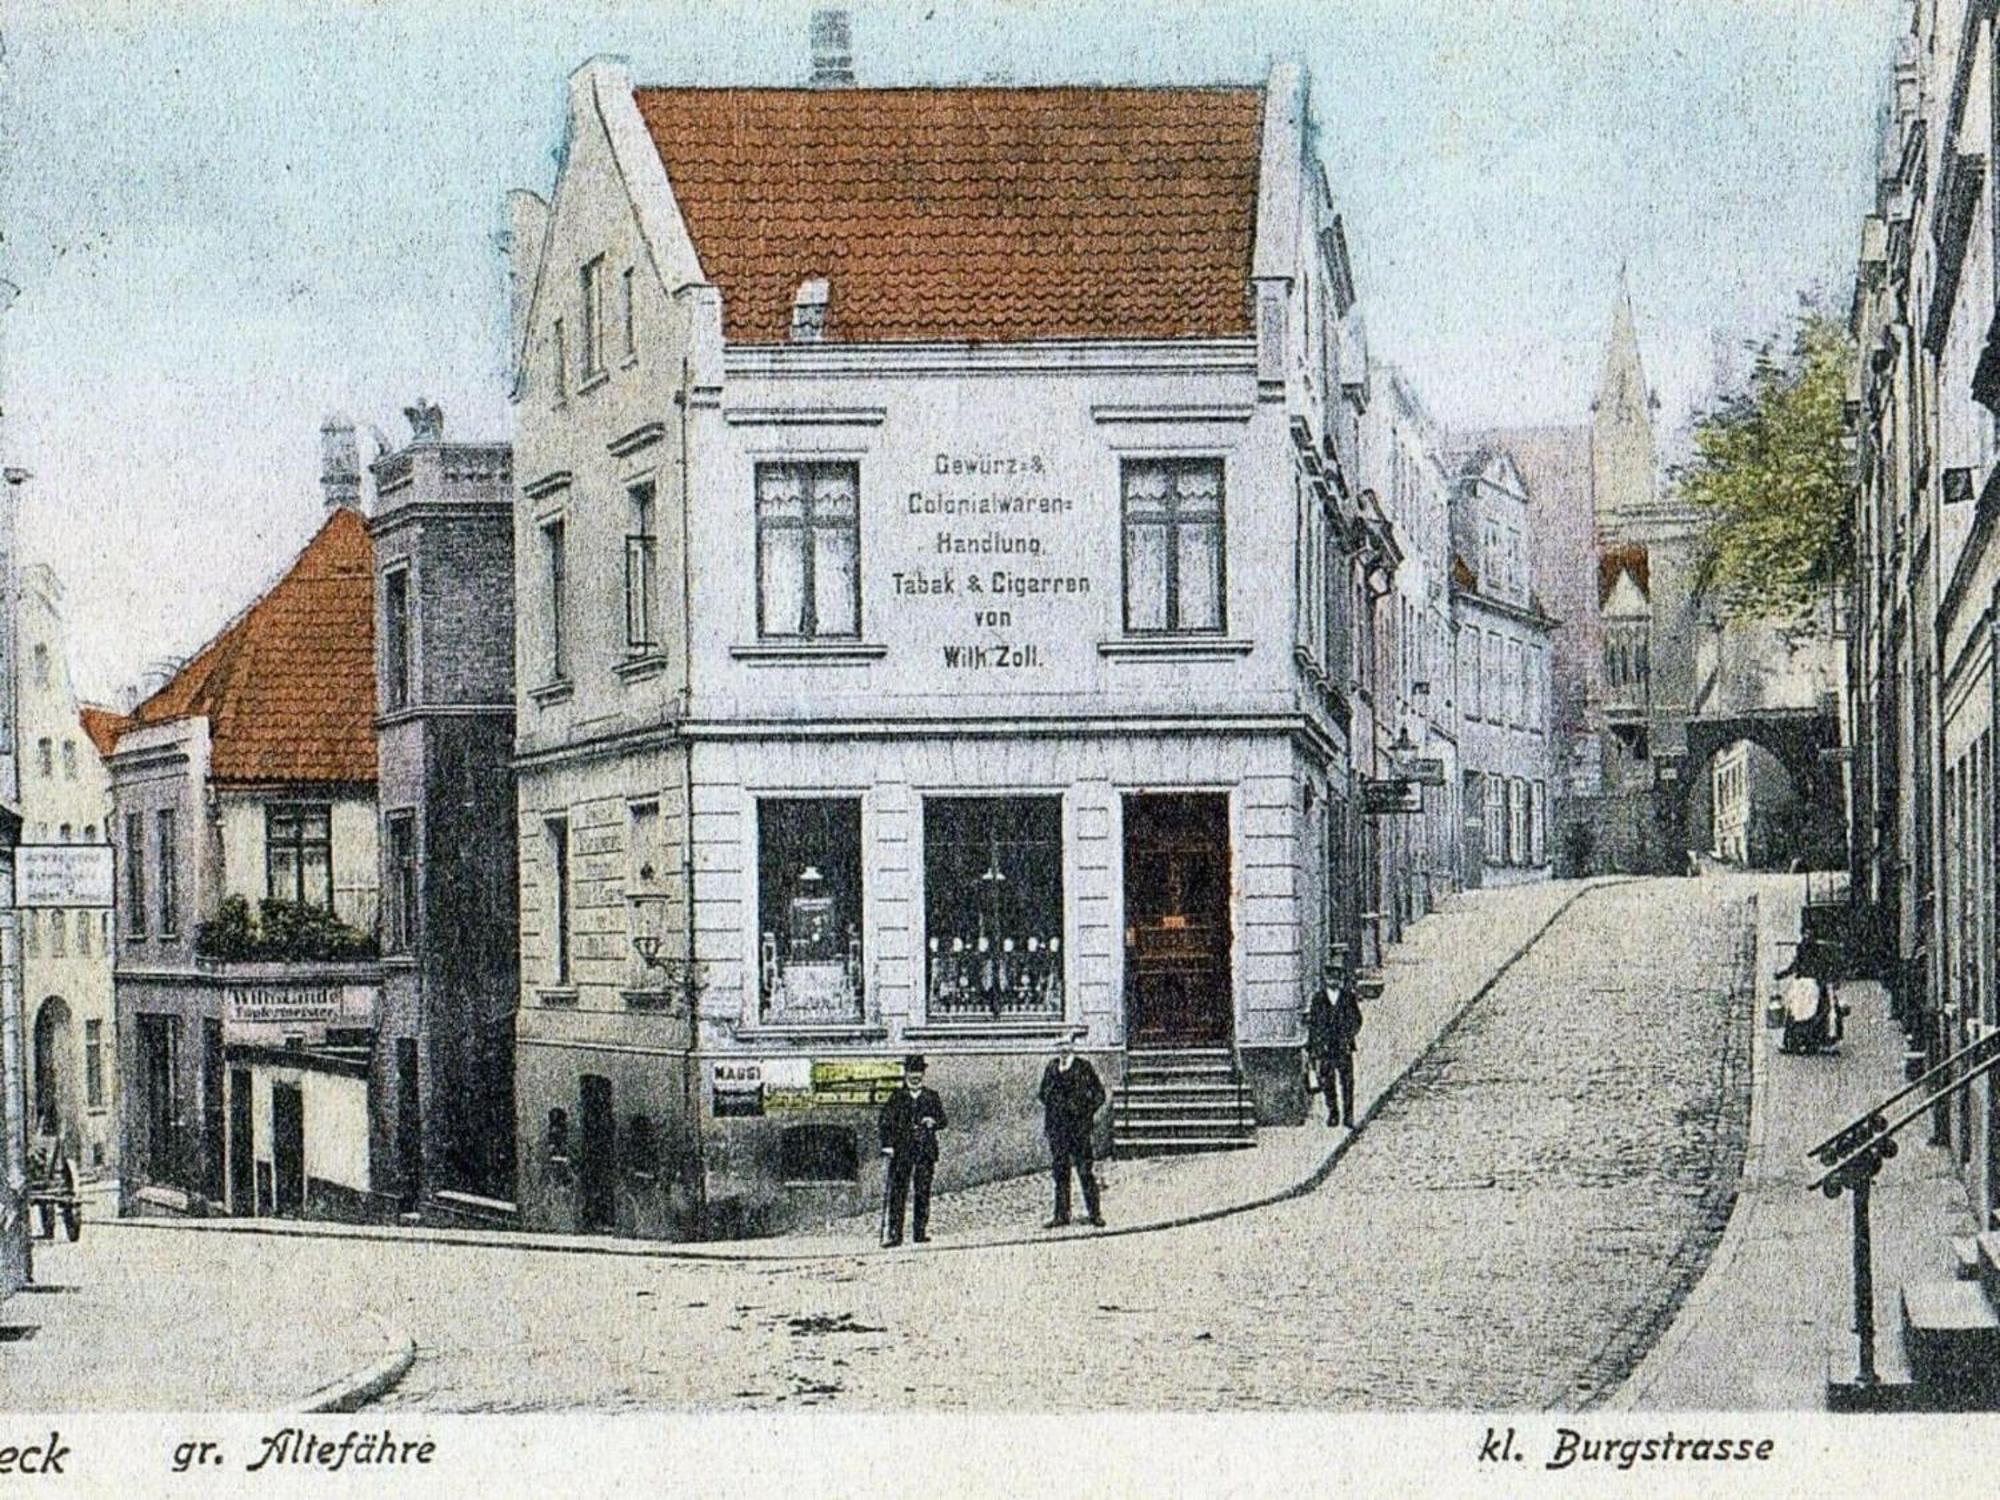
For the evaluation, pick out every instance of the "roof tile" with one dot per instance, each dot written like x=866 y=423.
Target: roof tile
x=985 y=214
x=289 y=686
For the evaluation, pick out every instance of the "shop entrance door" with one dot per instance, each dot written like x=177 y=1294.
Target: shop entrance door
x=1177 y=938
x=288 y=1149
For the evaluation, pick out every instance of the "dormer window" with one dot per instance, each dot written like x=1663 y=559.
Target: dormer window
x=809 y=312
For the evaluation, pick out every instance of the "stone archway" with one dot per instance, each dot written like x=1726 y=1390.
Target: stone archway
x=54 y=1110
x=1798 y=739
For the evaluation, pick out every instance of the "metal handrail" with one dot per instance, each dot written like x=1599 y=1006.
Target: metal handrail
x=1841 y=1140
x=1876 y=1142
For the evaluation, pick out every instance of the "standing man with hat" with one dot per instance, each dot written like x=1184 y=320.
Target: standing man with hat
x=1333 y=1021
x=1071 y=1096
x=910 y=1123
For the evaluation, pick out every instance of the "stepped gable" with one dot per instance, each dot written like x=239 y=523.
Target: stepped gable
x=970 y=214
x=288 y=687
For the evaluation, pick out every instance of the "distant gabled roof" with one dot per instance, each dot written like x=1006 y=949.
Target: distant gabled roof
x=1613 y=561
x=102 y=725
x=977 y=214
x=288 y=687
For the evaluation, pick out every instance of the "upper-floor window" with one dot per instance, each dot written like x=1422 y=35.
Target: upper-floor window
x=401 y=934
x=66 y=833
x=809 y=550
x=169 y=891
x=593 y=318
x=1173 y=545
x=298 y=853
x=58 y=934
x=396 y=638
x=69 y=760
x=558 y=362
x=640 y=566
x=135 y=875
x=559 y=900
x=41 y=665
x=555 y=547
x=629 y=313
x=45 y=756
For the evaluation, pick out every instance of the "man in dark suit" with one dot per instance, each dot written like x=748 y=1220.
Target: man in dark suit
x=1333 y=1022
x=910 y=1123
x=1071 y=1096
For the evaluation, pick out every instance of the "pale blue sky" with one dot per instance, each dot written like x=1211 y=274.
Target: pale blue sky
x=227 y=220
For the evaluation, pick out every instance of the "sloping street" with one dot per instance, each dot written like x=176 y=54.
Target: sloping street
x=1513 y=1229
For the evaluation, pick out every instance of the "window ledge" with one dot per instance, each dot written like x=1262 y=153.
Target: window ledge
x=398 y=961
x=561 y=999
x=1175 y=647
x=1052 y=1029
x=656 y=1000
x=592 y=381
x=818 y=1031
x=809 y=653
x=558 y=691
x=638 y=668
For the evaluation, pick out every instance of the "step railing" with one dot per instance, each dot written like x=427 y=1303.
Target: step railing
x=1853 y=1157
x=1872 y=1121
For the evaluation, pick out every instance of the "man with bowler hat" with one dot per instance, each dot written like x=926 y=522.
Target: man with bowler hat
x=1071 y=1096
x=1333 y=1021
x=910 y=1123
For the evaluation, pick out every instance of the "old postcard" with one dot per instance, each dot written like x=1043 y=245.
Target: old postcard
x=1044 y=745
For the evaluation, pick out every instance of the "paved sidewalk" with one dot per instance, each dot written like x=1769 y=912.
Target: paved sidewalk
x=1756 y=1333
x=1445 y=962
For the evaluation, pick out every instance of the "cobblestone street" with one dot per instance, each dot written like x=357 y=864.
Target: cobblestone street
x=1513 y=1230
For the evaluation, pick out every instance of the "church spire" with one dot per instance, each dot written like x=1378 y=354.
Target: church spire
x=1624 y=455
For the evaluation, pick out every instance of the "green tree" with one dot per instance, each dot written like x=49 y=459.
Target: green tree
x=1771 y=474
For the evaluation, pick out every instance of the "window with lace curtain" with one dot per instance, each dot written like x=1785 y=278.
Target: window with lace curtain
x=809 y=550
x=1173 y=545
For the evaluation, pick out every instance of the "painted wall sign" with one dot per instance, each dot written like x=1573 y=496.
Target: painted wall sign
x=296 y=1003
x=992 y=549
x=64 y=875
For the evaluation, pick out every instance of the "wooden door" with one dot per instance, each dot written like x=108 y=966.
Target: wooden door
x=1177 y=937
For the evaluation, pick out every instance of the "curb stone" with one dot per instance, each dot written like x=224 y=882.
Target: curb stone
x=352 y=1392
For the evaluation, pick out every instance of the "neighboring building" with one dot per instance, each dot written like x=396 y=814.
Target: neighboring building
x=1402 y=453
x=443 y=534
x=1920 y=679
x=938 y=615
x=248 y=990
x=65 y=952
x=1503 y=671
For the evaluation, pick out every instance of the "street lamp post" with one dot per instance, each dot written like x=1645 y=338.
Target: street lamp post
x=682 y=977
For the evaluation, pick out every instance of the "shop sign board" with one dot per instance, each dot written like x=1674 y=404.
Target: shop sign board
x=63 y=875
x=1383 y=798
x=1424 y=770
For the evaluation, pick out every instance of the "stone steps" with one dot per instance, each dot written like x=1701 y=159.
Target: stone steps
x=1181 y=1100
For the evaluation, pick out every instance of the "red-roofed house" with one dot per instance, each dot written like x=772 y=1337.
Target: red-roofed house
x=939 y=525
x=245 y=829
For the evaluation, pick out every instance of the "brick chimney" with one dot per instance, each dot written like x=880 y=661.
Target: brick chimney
x=832 y=50
x=339 y=463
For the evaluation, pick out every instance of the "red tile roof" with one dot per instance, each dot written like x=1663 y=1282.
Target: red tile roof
x=1631 y=559
x=289 y=686
x=103 y=725
x=982 y=214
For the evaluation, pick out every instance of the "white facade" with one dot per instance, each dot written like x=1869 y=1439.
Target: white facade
x=66 y=952
x=985 y=627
